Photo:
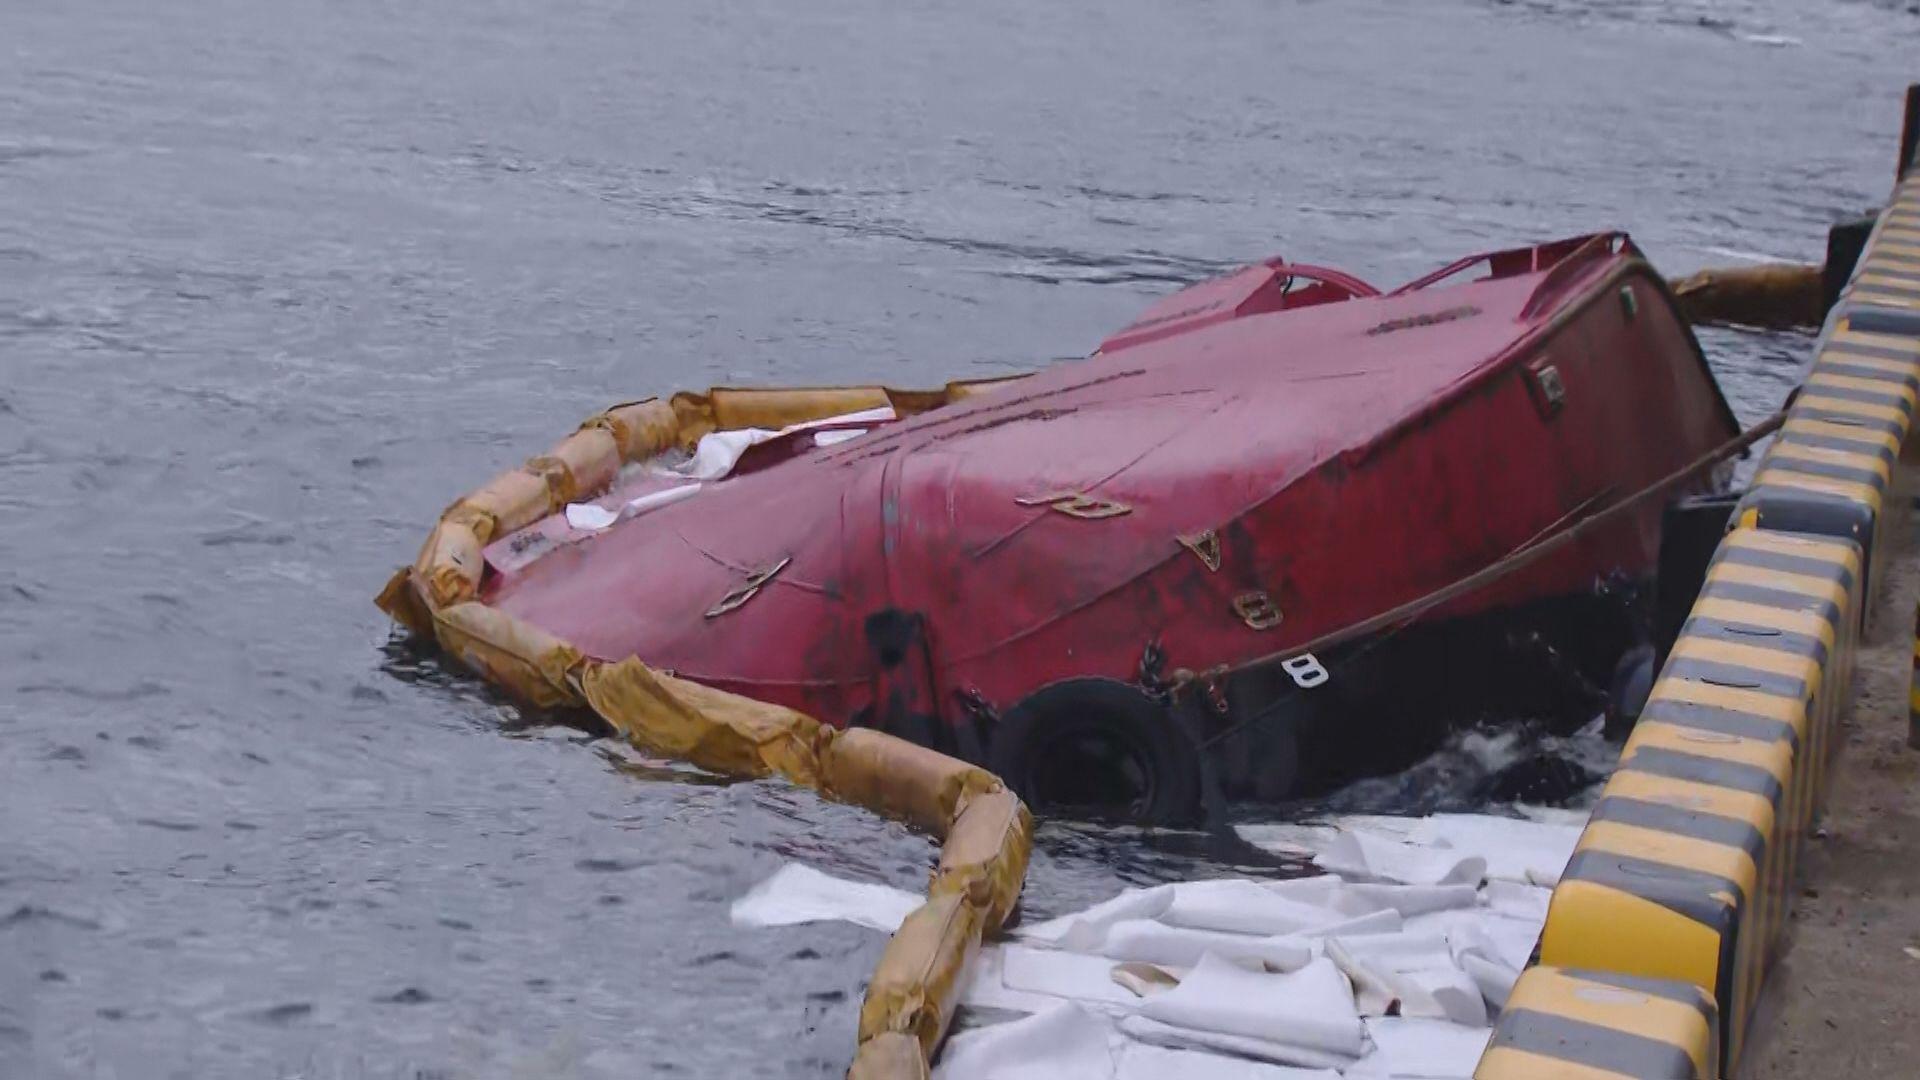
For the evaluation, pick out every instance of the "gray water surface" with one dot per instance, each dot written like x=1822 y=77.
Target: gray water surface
x=278 y=281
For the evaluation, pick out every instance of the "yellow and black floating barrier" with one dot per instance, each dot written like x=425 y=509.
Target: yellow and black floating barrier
x=1684 y=873
x=1560 y=1022
x=1832 y=469
x=1884 y=294
x=1685 y=869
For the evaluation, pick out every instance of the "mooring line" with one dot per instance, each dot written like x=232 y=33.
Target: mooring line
x=1405 y=614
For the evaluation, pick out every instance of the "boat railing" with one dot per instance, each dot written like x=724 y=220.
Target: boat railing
x=1570 y=266
x=1337 y=281
x=1513 y=262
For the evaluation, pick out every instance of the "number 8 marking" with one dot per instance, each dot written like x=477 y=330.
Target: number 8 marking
x=1306 y=671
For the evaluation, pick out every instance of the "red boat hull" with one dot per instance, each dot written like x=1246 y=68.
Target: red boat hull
x=1223 y=481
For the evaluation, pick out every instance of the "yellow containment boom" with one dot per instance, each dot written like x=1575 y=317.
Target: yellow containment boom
x=985 y=830
x=1772 y=295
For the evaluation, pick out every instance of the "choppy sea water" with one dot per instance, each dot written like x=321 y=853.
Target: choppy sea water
x=279 y=281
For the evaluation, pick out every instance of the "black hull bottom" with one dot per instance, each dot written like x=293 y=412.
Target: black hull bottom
x=1393 y=699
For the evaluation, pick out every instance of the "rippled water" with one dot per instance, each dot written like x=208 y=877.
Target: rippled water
x=279 y=281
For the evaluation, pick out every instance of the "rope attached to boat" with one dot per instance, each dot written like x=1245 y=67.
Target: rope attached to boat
x=1400 y=617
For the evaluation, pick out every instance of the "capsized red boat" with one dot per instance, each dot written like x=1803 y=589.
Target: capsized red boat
x=1095 y=578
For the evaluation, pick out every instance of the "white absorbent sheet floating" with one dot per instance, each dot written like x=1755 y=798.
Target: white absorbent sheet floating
x=716 y=454
x=592 y=517
x=1071 y=1042
x=1308 y=1015
x=1428 y=850
x=800 y=894
x=1390 y=966
x=714 y=458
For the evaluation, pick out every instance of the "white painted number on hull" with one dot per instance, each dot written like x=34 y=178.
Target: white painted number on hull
x=1306 y=671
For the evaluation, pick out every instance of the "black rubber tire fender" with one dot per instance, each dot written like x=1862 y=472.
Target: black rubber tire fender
x=1146 y=727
